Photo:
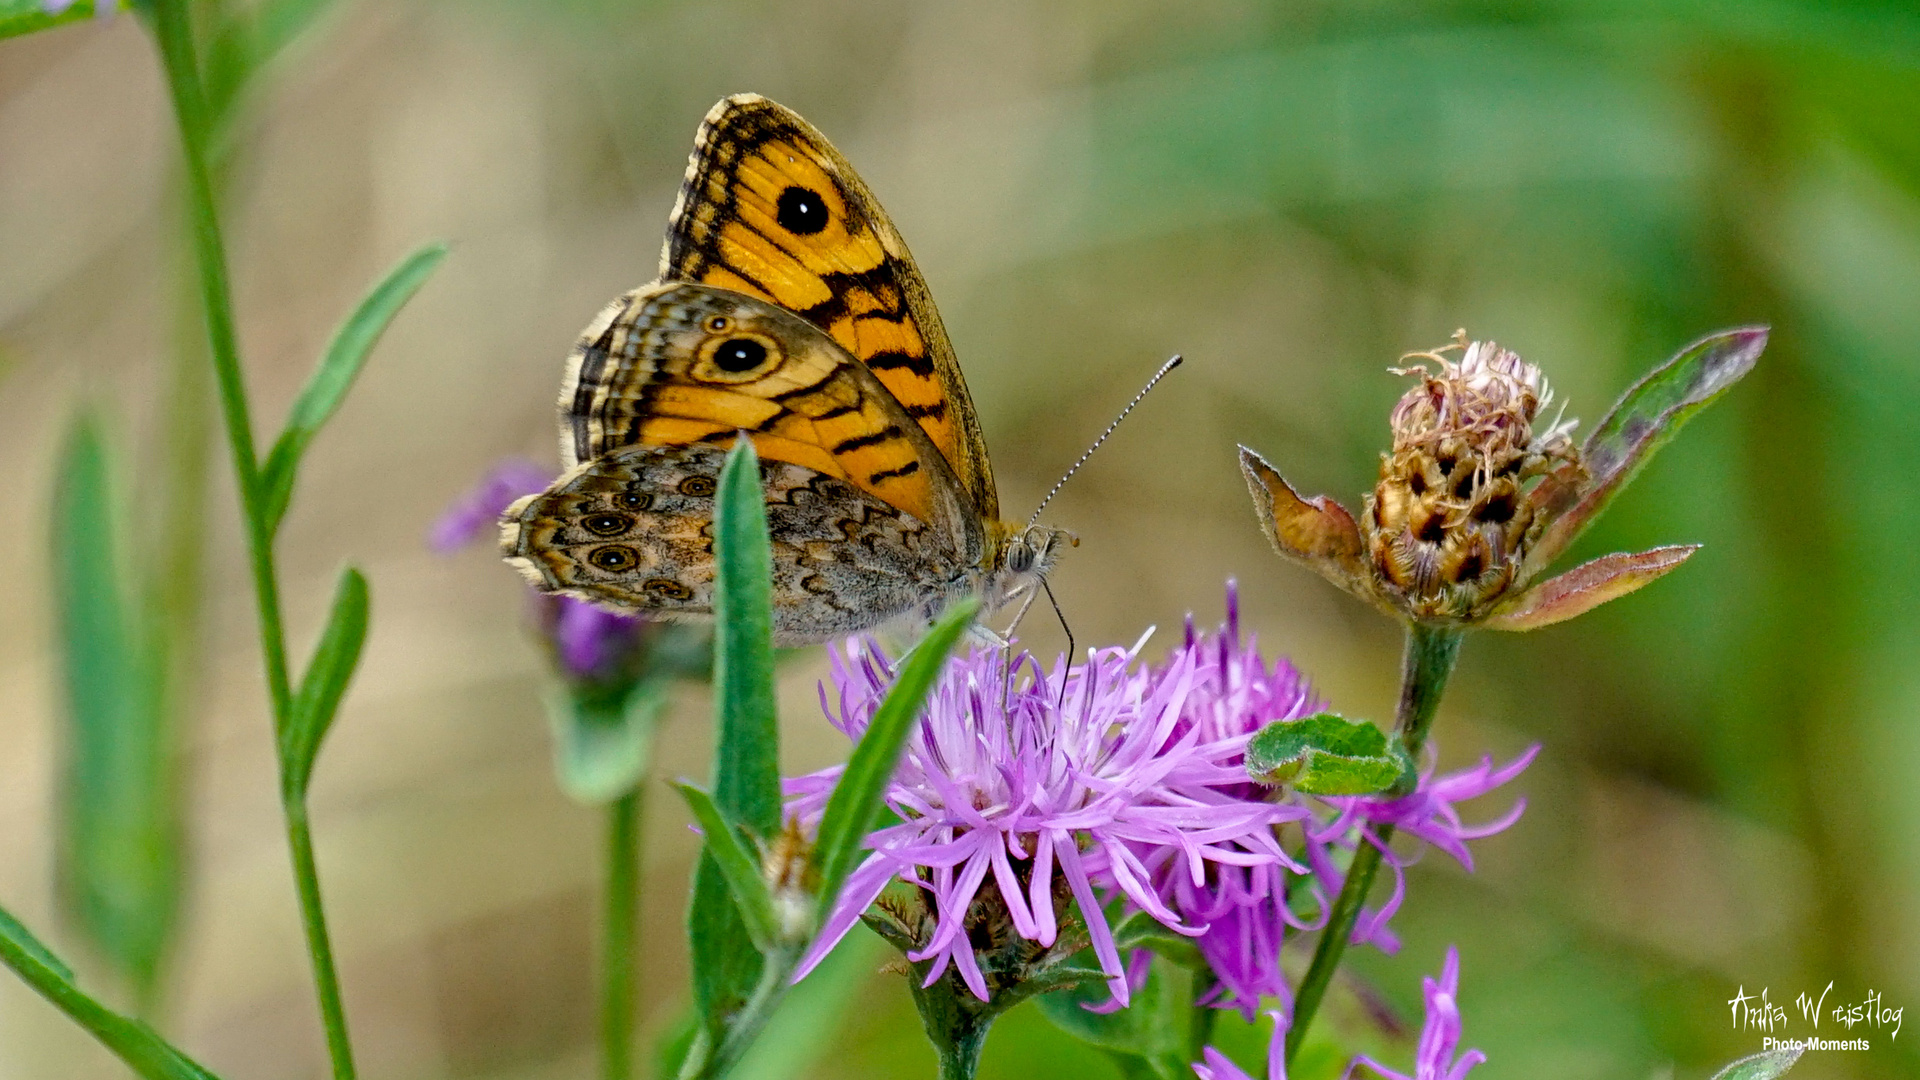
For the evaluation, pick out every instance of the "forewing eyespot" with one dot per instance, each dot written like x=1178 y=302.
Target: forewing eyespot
x=739 y=354
x=718 y=324
x=801 y=211
x=614 y=558
x=607 y=524
x=698 y=487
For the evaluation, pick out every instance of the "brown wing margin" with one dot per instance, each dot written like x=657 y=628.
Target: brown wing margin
x=854 y=279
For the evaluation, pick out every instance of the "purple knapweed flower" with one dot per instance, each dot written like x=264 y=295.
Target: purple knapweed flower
x=1215 y=1065
x=588 y=642
x=1010 y=782
x=1428 y=813
x=1244 y=909
x=1434 y=1059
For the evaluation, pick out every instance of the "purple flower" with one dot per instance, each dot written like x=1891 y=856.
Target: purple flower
x=1005 y=781
x=1217 y=1066
x=1428 y=813
x=1434 y=1060
x=588 y=642
x=1244 y=909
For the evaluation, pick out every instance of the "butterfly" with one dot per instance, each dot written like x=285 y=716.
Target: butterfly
x=787 y=308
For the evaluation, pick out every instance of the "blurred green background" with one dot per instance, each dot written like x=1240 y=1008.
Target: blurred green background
x=1290 y=194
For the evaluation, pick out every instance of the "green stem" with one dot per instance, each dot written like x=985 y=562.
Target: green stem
x=1425 y=665
x=174 y=35
x=313 y=916
x=744 y=1026
x=620 y=914
x=1201 y=1018
x=956 y=1024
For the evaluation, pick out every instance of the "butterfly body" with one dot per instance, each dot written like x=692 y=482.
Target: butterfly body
x=788 y=311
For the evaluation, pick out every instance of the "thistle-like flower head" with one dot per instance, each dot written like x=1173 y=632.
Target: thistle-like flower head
x=1017 y=812
x=1476 y=498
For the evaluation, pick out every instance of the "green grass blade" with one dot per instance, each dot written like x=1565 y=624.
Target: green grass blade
x=857 y=799
x=328 y=673
x=1762 y=1066
x=135 y=1043
x=25 y=16
x=747 y=752
x=329 y=383
x=119 y=843
x=736 y=863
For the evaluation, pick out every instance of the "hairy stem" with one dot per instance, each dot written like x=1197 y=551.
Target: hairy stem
x=174 y=35
x=620 y=914
x=1425 y=665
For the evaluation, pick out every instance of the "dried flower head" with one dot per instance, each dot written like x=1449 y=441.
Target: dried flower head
x=1473 y=502
x=1448 y=526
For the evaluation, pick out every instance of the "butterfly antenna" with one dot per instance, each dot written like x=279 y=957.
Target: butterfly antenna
x=1061 y=704
x=1151 y=383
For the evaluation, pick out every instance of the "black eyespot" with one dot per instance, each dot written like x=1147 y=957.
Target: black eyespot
x=802 y=212
x=636 y=500
x=739 y=354
x=607 y=524
x=665 y=589
x=614 y=557
x=699 y=487
x=718 y=324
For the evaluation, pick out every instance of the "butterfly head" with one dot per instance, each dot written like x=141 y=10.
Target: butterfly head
x=1026 y=556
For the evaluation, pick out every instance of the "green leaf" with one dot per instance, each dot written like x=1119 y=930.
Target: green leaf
x=858 y=797
x=133 y=1042
x=25 y=16
x=1763 y=1066
x=814 y=1017
x=746 y=767
x=119 y=845
x=329 y=383
x=244 y=42
x=747 y=755
x=324 y=683
x=1645 y=418
x=1326 y=754
x=603 y=742
x=737 y=865
x=1149 y=1032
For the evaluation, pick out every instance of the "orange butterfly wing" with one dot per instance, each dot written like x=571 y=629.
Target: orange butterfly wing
x=769 y=208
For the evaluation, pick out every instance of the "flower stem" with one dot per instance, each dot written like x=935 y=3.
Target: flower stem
x=620 y=914
x=956 y=1023
x=174 y=35
x=1425 y=665
x=1201 y=1017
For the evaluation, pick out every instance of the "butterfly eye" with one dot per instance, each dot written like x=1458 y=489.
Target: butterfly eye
x=636 y=500
x=801 y=211
x=699 y=487
x=718 y=324
x=1019 y=557
x=739 y=354
x=614 y=557
x=608 y=524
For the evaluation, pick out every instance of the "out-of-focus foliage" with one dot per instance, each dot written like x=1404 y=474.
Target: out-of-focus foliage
x=1292 y=195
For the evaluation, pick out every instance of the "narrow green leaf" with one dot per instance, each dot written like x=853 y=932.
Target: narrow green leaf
x=119 y=846
x=746 y=768
x=1762 y=1066
x=149 y=1055
x=603 y=742
x=328 y=673
x=1643 y=420
x=25 y=16
x=1325 y=754
x=858 y=798
x=329 y=383
x=747 y=755
x=737 y=865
